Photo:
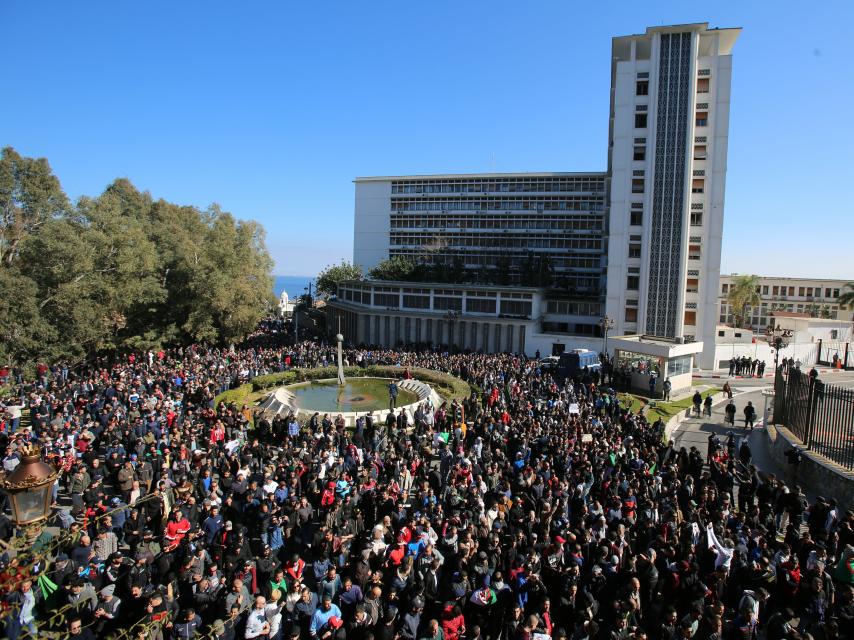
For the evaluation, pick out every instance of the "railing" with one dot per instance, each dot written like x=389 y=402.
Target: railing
x=820 y=415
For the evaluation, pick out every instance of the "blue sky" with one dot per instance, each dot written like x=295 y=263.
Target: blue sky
x=272 y=108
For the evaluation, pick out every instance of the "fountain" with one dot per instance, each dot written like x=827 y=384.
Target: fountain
x=348 y=397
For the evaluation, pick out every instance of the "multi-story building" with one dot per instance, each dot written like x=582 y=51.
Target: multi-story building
x=496 y=228
x=816 y=297
x=641 y=241
x=670 y=92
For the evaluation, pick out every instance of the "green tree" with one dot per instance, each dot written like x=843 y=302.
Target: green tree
x=742 y=296
x=395 y=268
x=846 y=298
x=30 y=196
x=328 y=280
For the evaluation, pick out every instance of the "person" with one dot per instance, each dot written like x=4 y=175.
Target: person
x=392 y=395
x=697 y=400
x=729 y=410
x=652 y=382
x=749 y=415
x=665 y=388
x=707 y=404
x=727 y=390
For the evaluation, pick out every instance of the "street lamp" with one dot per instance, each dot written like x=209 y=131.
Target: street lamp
x=607 y=323
x=778 y=339
x=30 y=489
x=451 y=317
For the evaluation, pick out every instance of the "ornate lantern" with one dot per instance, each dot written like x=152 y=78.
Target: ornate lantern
x=30 y=487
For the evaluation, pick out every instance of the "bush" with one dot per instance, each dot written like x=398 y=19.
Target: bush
x=236 y=395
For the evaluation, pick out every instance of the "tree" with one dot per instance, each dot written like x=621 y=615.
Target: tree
x=328 y=280
x=396 y=268
x=742 y=296
x=30 y=195
x=846 y=298
x=120 y=271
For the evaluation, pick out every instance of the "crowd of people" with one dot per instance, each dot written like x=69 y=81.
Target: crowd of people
x=529 y=510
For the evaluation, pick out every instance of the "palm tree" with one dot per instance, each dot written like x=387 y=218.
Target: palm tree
x=743 y=294
x=846 y=299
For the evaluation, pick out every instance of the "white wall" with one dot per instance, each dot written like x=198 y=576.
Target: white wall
x=807 y=353
x=371 y=224
x=544 y=341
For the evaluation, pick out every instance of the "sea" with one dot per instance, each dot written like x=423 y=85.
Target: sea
x=294 y=285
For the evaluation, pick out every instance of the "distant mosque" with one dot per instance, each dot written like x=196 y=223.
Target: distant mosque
x=286 y=307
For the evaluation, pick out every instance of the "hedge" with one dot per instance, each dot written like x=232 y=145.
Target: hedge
x=448 y=386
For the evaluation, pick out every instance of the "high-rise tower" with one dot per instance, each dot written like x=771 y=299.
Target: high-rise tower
x=669 y=124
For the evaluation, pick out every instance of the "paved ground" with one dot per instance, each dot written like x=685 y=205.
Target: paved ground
x=695 y=431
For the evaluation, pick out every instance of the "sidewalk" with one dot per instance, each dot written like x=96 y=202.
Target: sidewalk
x=694 y=432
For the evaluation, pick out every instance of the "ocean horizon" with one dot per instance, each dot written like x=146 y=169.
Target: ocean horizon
x=294 y=285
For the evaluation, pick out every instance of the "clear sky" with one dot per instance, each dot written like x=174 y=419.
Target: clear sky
x=272 y=108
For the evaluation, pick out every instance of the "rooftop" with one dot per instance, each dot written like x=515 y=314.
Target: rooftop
x=478 y=176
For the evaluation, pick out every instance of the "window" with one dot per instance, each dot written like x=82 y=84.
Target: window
x=826 y=293
x=834 y=334
x=631 y=315
x=643 y=88
x=801 y=291
x=480 y=305
x=633 y=283
x=386 y=300
x=515 y=308
x=443 y=303
x=703 y=85
x=636 y=218
x=791 y=291
x=724 y=288
x=693 y=285
x=765 y=290
x=697 y=186
x=640 y=121
x=637 y=185
x=721 y=334
x=836 y=293
x=696 y=218
x=700 y=152
x=416 y=302
x=679 y=365
x=691 y=318
x=702 y=118
x=634 y=250
x=640 y=153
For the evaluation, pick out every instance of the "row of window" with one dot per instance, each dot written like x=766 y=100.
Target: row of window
x=490 y=259
x=502 y=185
x=776 y=290
x=580 y=203
x=573 y=308
x=580 y=223
x=531 y=242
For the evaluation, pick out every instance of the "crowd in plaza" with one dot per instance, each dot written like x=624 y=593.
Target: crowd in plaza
x=531 y=510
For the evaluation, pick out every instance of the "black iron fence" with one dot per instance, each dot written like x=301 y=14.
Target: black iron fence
x=820 y=415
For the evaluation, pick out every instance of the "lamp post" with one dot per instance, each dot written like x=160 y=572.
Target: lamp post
x=778 y=339
x=607 y=323
x=30 y=490
x=451 y=317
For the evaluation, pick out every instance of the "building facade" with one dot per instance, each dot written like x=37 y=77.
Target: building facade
x=815 y=297
x=668 y=130
x=640 y=242
x=479 y=318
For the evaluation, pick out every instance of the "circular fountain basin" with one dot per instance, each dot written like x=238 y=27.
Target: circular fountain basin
x=356 y=397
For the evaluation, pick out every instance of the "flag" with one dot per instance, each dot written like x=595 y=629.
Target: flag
x=653 y=468
x=47 y=586
x=613 y=459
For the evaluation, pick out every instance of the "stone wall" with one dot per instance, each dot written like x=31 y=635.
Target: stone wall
x=816 y=472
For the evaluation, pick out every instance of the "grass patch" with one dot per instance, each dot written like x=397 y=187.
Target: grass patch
x=663 y=410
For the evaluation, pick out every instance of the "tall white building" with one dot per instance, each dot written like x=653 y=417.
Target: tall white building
x=669 y=126
x=640 y=242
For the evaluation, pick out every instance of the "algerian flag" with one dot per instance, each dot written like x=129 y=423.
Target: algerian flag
x=444 y=436
x=613 y=459
x=47 y=585
x=652 y=468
